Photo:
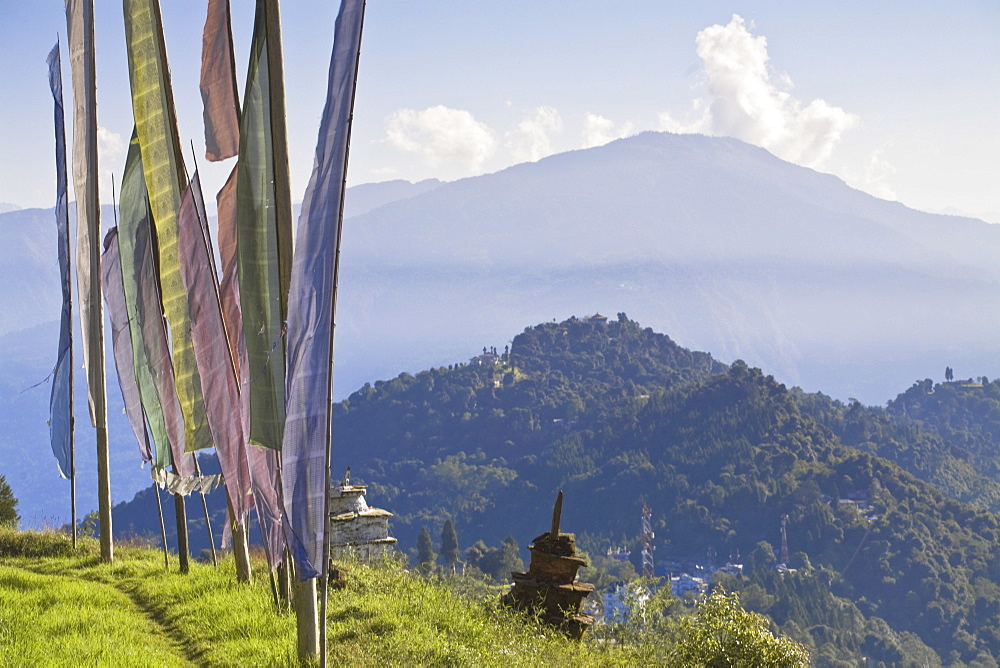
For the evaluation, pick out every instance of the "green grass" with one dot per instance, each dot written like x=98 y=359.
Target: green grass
x=72 y=609
x=60 y=607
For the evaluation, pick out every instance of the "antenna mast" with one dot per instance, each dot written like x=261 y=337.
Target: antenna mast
x=647 y=542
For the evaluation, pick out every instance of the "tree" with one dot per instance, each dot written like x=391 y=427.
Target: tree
x=8 y=506
x=721 y=633
x=510 y=557
x=948 y=374
x=449 y=544
x=425 y=551
x=486 y=559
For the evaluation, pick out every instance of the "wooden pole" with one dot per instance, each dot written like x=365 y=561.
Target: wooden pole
x=72 y=428
x=241 y=551
x=80 y=19
x=325 y=567
x=285 y=579
x=180 y=512
x=163 y=528
x=208 y=521
x=72 y=417
x=104 y=481
x=270 y=567
x=307 y=620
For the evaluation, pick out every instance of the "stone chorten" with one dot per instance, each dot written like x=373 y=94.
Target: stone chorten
x=355 y=529
x=550 y=587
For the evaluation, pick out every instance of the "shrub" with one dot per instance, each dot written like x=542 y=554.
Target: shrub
x=8 y=506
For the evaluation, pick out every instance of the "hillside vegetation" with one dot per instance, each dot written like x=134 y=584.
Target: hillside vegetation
x=64 y=608
x=617 y=415
x=889 y=563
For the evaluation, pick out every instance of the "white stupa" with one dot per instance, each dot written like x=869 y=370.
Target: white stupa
x=355 y=529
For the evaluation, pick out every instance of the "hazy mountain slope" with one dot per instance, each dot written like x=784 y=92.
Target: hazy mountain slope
x=720 y=243
x=367 y=196
x=29 y=270
x=26 y=458
x=717 y=242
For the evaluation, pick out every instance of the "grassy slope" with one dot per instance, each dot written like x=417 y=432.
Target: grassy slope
x=71 y=609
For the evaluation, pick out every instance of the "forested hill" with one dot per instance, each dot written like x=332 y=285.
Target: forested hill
x=512 y=402
x=947 y=434
x=617 y=415
x=888 y=567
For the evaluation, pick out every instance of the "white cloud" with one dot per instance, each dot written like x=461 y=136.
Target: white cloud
x=110 y=145
x=444 y=136
x=111 y=148
x=750 y=102
x=598 y=130
x=698 y=121
x=876 y=177
x=532 y=139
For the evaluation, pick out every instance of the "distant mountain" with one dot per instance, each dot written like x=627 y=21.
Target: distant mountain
x=713 y=240
x=29 y=271
x=367 y=196
x=718 y=242
x=29 y=309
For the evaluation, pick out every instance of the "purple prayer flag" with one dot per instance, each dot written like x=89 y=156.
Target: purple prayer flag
x=311 y=307
x=61 y=400
x=263 y=462
x=121 y=341
x=219 y=384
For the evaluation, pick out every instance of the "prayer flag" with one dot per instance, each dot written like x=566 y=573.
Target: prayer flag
x=263 y=462
x=61 y=399
x=311 y=307
x=150 y=342
x=220 y=385
x=218 y=84
x=121 y=341
x=156 y=125
x=80 y=27
x=263 y=219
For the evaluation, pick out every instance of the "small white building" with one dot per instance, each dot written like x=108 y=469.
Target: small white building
x=621 y=599
x=684 y=583
x=356 y=530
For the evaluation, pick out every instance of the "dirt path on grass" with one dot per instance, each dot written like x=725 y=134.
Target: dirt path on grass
x=64 y=619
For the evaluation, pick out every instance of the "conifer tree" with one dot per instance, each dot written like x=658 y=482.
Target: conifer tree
x=8 y=505
x=449 y=544
x=425 y=550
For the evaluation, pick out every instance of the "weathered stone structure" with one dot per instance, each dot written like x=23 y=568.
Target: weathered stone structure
x=357 y=531
x=549 y=588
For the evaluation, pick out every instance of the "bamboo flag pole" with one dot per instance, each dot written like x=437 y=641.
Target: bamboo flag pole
x=72 y=437
x=325 y=571
x=61 y=399
x=72 y=418
x=80 y=26
x=208 y=521
x=163 y=528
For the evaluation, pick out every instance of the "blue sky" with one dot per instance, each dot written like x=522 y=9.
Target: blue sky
x=898 y=99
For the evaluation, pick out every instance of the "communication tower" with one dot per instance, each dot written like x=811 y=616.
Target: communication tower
x=647 y=541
